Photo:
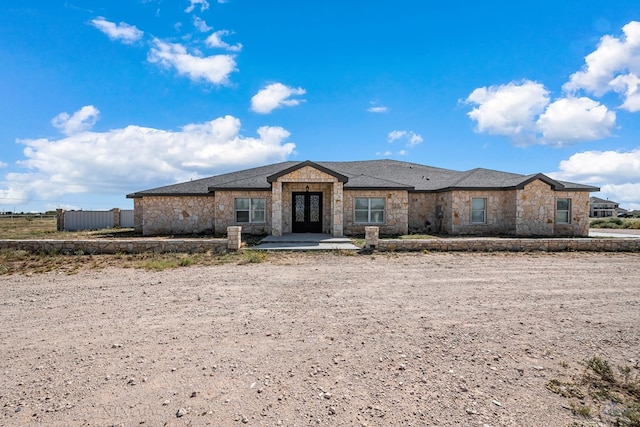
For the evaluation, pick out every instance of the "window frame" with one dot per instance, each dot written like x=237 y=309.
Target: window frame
x=483 y=210
x=251 y=211
x=564 y=212
x=369 y=210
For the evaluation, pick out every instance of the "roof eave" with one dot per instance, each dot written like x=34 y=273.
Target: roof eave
x=214 y=189
x=140 y=195
x=378 y=188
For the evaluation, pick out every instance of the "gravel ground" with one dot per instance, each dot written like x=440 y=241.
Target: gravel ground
x=316 y=339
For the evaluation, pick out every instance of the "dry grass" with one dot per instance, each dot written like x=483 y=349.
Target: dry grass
x=600 y=386
x=33 y=228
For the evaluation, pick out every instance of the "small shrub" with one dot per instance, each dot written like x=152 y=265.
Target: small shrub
x=630 y=417
x=253 y=257
x=186 y=261
x=601 y=368
x=581 y=409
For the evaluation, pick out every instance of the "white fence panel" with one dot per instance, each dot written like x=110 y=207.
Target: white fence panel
x=126 y=218
x=87 y=220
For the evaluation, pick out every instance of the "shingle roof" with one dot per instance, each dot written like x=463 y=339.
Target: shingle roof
x=370 y=174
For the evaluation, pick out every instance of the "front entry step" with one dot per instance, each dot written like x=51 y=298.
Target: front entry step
x=305 y=242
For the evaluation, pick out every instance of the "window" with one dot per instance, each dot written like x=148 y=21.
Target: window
x=563 y=211
x=369 y=210
x=478 y=210
x=250 y=210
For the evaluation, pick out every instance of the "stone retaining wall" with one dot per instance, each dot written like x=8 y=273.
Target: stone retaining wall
x=114 y=246
x=511 y=245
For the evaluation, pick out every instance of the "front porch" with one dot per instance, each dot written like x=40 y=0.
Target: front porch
x=307 y=197
x=305 y=242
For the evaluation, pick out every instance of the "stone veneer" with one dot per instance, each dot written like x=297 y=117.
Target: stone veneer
x=174 y=215
x=536 y=211
x=525 y=212
x=225 y=212
x=318 y=181
x=499 y=214
x=396 y=212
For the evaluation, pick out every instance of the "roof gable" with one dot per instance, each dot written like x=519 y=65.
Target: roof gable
x=274 y=177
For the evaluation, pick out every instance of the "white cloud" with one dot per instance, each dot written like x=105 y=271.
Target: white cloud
x=204 y=5
x=385 y=154
x=377 y=108
x=571 y=120
x=200 y=25
x=3 y=164
x=613 y=66
x=215 y=41
x=411 y=137
x=134 y=158
x=617 y=173
x=626 y=194
x=523 y=112
x=629 y=85
x=508 y=110
x=615 y=167
x=274 y=96
x=214 y=69
x=80 y=121
x=124 y=32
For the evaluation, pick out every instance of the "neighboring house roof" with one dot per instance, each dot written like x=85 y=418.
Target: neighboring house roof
x=594 y=199
x=367 y=174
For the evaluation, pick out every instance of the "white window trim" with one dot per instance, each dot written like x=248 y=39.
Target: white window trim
x=484 y=211
x=568 y=211
x=251 y=220
x=384 y=211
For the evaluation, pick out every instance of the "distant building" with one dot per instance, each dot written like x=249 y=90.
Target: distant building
x=600 y=208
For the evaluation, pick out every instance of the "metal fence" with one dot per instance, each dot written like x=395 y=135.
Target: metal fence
x=95 y=220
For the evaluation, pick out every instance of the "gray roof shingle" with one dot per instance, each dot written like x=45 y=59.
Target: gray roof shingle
x=373 y=174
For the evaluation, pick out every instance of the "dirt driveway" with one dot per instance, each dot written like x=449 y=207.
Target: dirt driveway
x=316 y=339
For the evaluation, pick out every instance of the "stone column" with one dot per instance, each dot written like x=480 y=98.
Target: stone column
x=234 y=238
x=60 y=219
x=371 y=237
x=116 y=217
x=276 y=208
x=337 y=209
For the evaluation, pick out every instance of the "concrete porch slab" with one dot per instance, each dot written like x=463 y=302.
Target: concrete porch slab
x=305 y=242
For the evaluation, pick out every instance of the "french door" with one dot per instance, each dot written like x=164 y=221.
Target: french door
x=307 y=212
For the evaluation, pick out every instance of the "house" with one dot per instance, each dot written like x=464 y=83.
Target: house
x=600 y=208
x=341 y=198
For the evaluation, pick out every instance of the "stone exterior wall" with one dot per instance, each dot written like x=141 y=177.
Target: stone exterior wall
x=535 y=209
x=318 y=181
x=174 y=215
x=396 y=212
x=422 y=213
x=500 y=215
x=579 y=225
x=138 y=213
x=225 y=212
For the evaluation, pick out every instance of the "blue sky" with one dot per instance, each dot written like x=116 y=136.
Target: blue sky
x=101 y=98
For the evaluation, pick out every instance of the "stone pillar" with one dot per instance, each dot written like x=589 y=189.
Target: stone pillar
x=234 y=238
x=336 y=208
x=276 y=208
x=60 y=219
x=371 y=237
x=116 y=217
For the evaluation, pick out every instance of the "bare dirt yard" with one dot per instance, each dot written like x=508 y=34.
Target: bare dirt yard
x=321 y=339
